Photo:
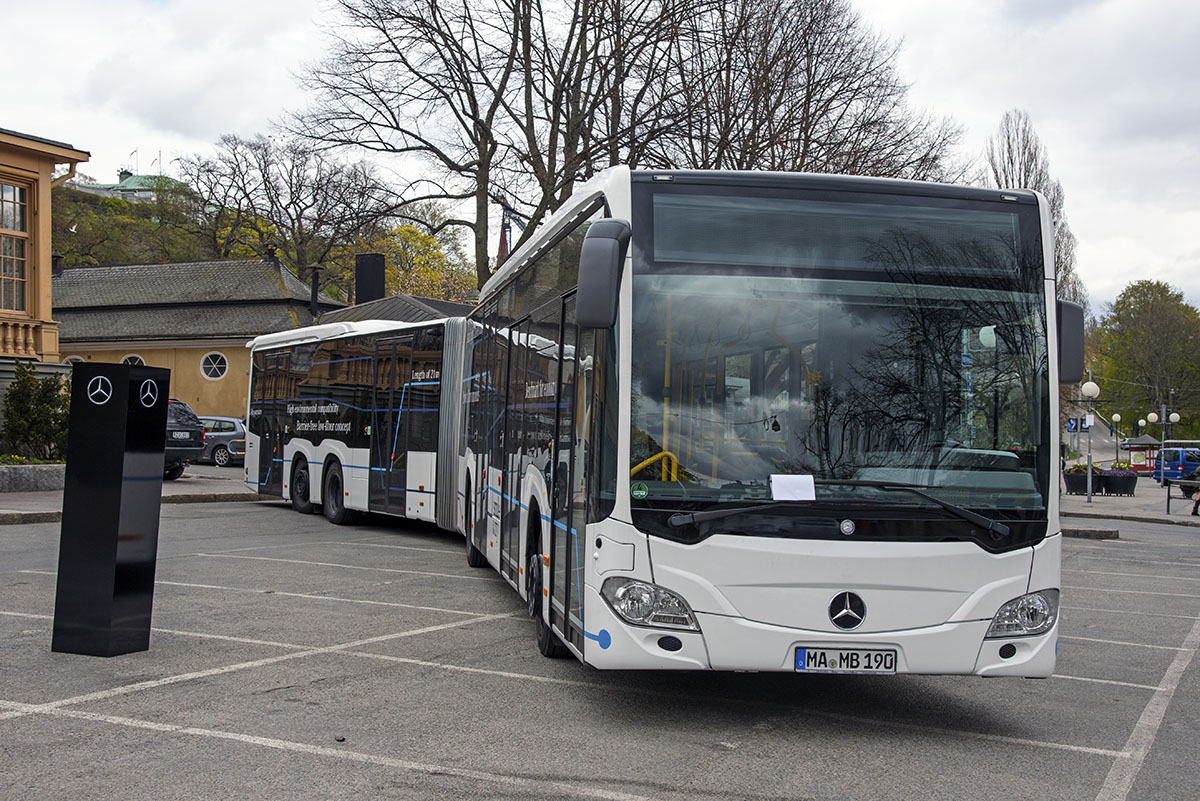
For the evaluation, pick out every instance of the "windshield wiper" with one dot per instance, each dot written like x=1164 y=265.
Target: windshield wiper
x=993 y=526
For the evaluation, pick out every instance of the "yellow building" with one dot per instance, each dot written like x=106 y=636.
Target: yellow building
x=27 y=164
x=194 y=319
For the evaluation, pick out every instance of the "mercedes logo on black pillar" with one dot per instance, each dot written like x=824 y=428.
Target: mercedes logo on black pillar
x=847 y=610
x=99 y=390
x=149 y=393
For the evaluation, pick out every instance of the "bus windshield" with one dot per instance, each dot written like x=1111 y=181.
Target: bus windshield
x=855 y=340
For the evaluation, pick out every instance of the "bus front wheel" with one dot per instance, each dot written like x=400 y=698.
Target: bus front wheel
x=547 y=641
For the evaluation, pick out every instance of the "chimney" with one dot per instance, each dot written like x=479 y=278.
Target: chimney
x=368 y=277
x=314 y=307
x=123 y=175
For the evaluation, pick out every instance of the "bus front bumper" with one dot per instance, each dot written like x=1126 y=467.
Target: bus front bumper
x=732 y=643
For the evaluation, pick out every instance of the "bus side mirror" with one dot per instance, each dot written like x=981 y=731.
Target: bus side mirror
x=1070 y=342
x=600 y=263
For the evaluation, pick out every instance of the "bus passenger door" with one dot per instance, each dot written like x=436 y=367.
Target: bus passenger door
x=511 y=559
x=381 y=424
x=389 y=444
x=273 y=423
x=567 y=536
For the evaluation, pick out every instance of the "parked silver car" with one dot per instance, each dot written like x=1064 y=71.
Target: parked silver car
x=224 y=440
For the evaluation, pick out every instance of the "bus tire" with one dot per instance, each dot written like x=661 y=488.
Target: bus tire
x=301 y=486
x=548 y=643
x=333 y=496
x=475 y=557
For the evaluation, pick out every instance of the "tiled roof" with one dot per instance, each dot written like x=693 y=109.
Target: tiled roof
x=195 y=300
x=185 y=322
x=167 y=284
x=405 y=308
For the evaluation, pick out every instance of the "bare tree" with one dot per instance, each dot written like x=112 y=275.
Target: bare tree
x=262 y=194
x=800 y=85
x=595 y=86
x=426 y=79
x=520 y=99
x=1017 y=159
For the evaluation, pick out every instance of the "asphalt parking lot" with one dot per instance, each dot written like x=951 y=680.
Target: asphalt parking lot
x=298 y=660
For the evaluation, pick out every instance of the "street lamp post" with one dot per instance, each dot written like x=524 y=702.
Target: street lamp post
x=1116 y=418
x=1153 y=418
x=1090 y=391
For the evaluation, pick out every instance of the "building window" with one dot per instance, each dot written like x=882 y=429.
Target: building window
x=73 y=360
x=214 y=366
x=14 y=245
x=133 y=360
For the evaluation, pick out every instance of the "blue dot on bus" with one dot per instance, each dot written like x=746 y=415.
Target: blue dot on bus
x=604 y=638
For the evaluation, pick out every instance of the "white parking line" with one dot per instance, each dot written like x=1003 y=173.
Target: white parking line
x=349 y=567
x=1127 y=561
x=871 y=722
x=1126 y=612
x=315 y=597
x=309 y=596
x=538 y=786
x=1131 y=592
x=227 y=638
x=1121 y=776
x=25 y=614
x=1106 y=681
x=449 y=551
x=223 y=669
x=1121 y=642
x=294 y=544
x=1129 y=575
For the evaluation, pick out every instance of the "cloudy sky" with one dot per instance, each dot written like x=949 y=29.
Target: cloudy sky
x=1112 y=88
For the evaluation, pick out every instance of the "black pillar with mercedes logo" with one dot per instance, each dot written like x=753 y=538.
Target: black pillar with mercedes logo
x=109 y=536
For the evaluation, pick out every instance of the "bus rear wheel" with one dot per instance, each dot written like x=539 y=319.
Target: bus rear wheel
x=301 y=487
x=333 y=498
x=547 y=641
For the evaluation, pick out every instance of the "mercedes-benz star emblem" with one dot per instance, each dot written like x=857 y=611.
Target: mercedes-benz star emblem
x=149 y=393
x=847 y=610
x=99 y=390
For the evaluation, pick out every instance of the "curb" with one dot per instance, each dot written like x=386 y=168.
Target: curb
x=1131 y=518
x=1091 y=533
x=10 y=518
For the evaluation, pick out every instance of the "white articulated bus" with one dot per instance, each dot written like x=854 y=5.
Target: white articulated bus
x=768 y=421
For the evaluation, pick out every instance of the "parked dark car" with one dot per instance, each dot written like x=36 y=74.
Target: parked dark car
x=185 y=439
x=224 y=441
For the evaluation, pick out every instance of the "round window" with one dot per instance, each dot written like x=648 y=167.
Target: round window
x=214 y=366
x=133 y=360
x=73 y=360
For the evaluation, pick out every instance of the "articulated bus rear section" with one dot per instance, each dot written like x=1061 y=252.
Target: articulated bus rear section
x=347 y=418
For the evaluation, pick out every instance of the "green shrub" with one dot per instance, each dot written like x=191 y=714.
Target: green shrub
x=36 y=411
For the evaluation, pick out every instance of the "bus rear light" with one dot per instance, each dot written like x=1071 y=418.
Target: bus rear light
x=1026 y=616
x=644 y=604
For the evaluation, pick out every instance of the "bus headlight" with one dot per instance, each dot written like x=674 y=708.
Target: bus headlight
x=1026 y=616
x=644 y=604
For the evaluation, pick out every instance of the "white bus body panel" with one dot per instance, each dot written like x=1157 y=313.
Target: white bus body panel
x=420 y=486
x=757 y=599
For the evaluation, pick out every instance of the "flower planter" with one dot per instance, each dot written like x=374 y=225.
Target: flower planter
x=1077 y=483
x=31 y=477
x=1118 y=485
